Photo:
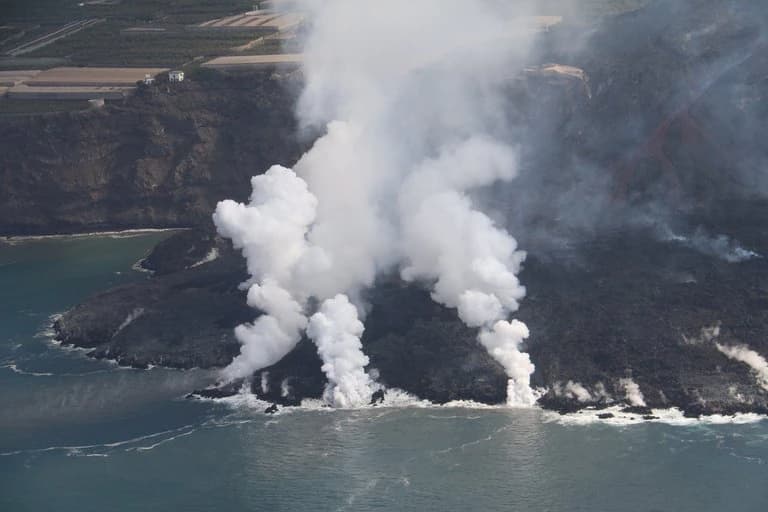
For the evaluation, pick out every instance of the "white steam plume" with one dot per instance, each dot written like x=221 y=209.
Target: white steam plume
x=719 y=246
x=503 y=343
x=413 y=106
x=745 y=355
x=336 y=330
x=474 y=264
x=271 y=232
x=573 y=390
x=632 y=392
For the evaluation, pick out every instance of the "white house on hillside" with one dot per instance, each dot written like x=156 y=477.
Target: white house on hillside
x=176 y=76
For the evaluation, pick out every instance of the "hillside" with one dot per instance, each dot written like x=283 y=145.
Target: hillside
x=162 y=158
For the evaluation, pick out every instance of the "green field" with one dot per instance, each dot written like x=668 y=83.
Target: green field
x=9 y=107
x=8 y=63
x=106 y=44
x=134 y=11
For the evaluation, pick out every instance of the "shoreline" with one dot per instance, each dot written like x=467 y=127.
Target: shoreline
x=124 y=233
x=399 y=400
x=615 y=415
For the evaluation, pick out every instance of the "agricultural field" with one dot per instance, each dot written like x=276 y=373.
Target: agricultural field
x=107 y=44
x=163 y=32
x=137 y=11
x=165 y=42
x=13 y=107
x=24 y=63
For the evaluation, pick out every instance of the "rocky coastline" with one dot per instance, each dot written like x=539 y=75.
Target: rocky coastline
x=643 y=309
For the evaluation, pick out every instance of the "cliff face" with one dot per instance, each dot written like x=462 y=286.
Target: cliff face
x=162 y=158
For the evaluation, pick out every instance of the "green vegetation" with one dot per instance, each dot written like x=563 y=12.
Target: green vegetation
x=13 y=35
x=8 y=63
x=134 y=11
x=106 y=45
x=23 y=107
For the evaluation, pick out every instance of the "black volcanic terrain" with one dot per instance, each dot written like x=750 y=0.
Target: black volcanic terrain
x=642 y=200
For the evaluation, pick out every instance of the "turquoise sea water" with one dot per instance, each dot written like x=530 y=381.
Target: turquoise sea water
x=82 y=435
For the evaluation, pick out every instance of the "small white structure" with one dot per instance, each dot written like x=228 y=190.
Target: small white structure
x=176 y=76
x=148 y=79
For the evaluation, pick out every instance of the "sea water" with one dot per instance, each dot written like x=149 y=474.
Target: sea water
x=81 y=435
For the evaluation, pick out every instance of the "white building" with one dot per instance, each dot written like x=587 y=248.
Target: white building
x=176 y=76
x=148 y=79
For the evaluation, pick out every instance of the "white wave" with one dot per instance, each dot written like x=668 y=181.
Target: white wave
x=47 y=331
x=15 y=369
x=673 y=416
x=212 y=255
x=471 y=404
x=393 y=399
x=83 y=449
x=244 y=399
x=138 y=267
x=75 y=349
x=314 y=404
x=398 y=399
x=155 y=445
x=125 y=233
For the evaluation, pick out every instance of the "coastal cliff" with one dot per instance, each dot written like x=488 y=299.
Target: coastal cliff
x=162 y=158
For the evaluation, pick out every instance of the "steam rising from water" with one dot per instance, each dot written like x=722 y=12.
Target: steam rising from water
x=336 y=330
x=271 y=232
x=414 y=123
